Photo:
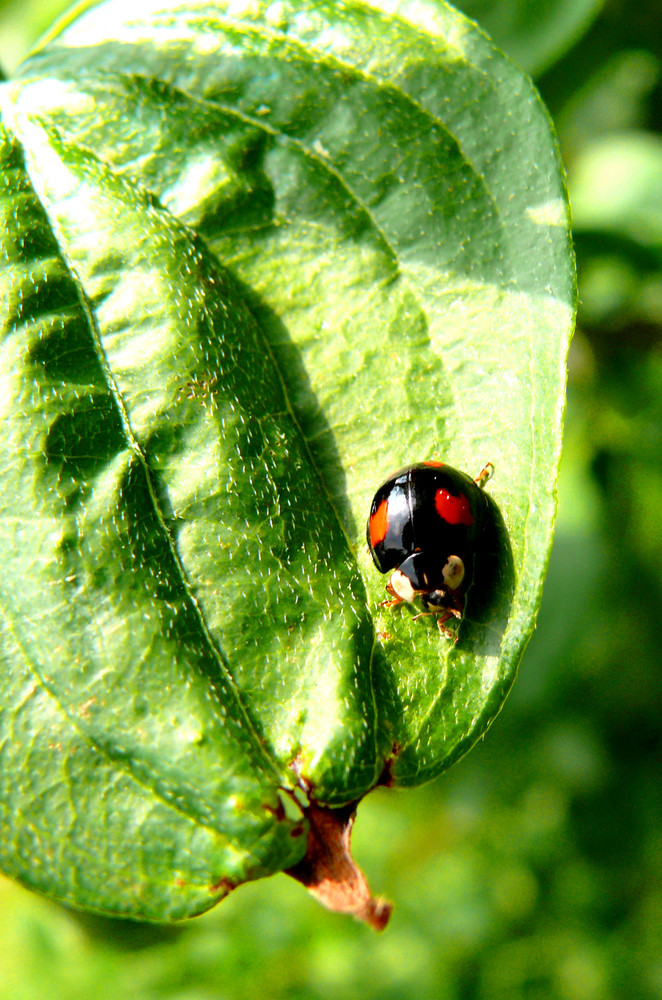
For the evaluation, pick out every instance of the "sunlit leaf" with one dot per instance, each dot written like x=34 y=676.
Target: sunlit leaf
x=257 y=257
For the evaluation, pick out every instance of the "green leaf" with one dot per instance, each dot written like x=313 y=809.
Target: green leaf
x=257 y=257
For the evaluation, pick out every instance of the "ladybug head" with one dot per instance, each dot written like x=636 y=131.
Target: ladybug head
x=416 y=576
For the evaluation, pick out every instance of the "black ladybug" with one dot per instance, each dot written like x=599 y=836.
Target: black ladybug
x=425 y=527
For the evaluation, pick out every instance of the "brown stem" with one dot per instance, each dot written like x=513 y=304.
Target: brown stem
x=329 y=872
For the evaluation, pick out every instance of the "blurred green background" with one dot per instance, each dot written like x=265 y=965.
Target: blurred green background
x=533 y=869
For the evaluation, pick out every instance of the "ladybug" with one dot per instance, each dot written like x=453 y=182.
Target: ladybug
x=425 y=527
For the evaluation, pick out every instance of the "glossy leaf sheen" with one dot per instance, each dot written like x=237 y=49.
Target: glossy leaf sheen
x=257 y=256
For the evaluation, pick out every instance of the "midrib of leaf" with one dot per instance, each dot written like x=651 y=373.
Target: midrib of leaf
x=333 y=507
x=135 y=448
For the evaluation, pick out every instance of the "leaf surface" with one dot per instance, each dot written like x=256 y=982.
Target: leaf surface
x=258 y=256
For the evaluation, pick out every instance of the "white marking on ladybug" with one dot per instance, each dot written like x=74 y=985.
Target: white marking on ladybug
x=453 y=572
x=401 y=586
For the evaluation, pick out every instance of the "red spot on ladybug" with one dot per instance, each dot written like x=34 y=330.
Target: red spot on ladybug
x=379 y=524
x=454 y=510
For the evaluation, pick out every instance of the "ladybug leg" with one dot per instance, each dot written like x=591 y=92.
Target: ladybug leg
x=422 y=614
x=484 y=474
x=395 y=599
x=448 y=632
x=441 y=618
x=392 y=603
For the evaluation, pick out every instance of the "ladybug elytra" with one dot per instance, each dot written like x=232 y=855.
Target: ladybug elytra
x=425 y=527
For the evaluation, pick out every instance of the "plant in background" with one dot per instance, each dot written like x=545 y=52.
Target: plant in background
x=255 y=257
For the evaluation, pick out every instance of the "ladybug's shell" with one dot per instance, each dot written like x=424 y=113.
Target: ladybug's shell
x=431 y=509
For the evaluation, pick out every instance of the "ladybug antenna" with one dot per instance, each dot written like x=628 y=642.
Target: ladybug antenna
x=485 y=473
